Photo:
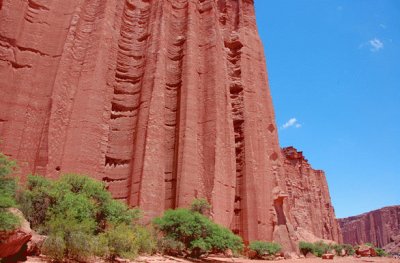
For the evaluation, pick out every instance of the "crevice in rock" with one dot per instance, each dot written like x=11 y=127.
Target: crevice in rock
x=234 y=46
x=278 y=205
x=177 y=17
x=127 y=80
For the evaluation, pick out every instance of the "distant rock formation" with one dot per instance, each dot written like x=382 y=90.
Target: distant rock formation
x=380 y=227
x=164 y=101
x=308 y=205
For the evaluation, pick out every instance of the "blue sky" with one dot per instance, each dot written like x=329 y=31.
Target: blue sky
x=334 y=73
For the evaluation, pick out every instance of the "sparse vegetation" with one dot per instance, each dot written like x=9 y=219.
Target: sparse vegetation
x=265 y=248
x=201 y=206
x=381 y=252
x=82 y=219
x=306 y=247
x=349 y=249
x=8 y=187
x=188 y=230
x=320 y=248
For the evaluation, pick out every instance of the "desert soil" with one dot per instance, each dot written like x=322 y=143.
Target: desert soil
x=166 y=259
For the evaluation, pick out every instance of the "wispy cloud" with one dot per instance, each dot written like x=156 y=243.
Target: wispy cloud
x=375 y=44
x=291 y=123
x=339 y=8
x=382 y=26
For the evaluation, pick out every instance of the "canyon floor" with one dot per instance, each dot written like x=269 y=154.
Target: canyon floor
x=240 y=260
x=166 y=259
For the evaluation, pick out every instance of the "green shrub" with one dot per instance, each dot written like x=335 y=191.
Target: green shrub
x=349 y=249
x=201 y=206
x=306 y=247
x=262 y=248
x=338 y=249
x=197 y=233
x=8 y=187
x=81 y=219
x=119 y=241
x=381 y=252
x=146 y=239
x=54 y=246
x=320 y=248
x=170 y=246
x=8 y=221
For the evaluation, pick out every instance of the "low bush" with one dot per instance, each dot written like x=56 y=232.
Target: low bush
x=338 y=249
x=349 y=249
x=320 y=248
x=201 y=206
x=8 y=187
x=197 y=233
x=262 y=248
x=82 y=219
x=381 y=252
x=170 y=246
x=317 y=248
x=306 y=247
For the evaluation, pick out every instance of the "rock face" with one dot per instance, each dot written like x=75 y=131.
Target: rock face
x=379 y=227
x=164 y=101
x=11 y=242
x=308 y=211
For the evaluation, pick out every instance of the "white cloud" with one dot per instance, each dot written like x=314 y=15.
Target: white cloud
x=292 y=122
x=382 y=26
x=375 y=44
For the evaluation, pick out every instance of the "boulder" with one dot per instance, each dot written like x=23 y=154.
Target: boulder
x=11 y=242
x=328 y=256
x=366 y=251
x=34 y=245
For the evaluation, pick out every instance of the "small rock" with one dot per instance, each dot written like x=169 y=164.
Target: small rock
x=328 y=256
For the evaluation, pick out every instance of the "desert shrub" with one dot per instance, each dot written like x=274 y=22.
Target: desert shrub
x=201 y=206
x=54 y=246
x=8 y=187
x=320 y=248
x=36 y=199
x=146 y=239
x=81 y=219
x=119 y=241
x=197 y=233
x=381 y=252
x=262 y=248
x=170 y=246
x=306 y=247
x=222 y=239
x=349 y=249
x=338 y=249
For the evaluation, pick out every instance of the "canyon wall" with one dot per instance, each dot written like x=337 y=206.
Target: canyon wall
x=379 y=227
x=164 y=101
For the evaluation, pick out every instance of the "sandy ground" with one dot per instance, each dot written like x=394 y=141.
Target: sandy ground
x=155 y=259
x=166 y=259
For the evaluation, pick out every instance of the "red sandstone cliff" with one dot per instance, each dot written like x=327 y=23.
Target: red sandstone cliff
x=305 y=206
x=379 y=227
x=164 y=101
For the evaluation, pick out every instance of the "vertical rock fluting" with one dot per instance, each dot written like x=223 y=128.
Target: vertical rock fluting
x=379 y=227
x=163 y=100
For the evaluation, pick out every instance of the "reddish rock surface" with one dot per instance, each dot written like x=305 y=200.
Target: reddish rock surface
x=308 y=209
x=379 y=227
x=11 y=242
x=328 y=256
x=164 y=101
